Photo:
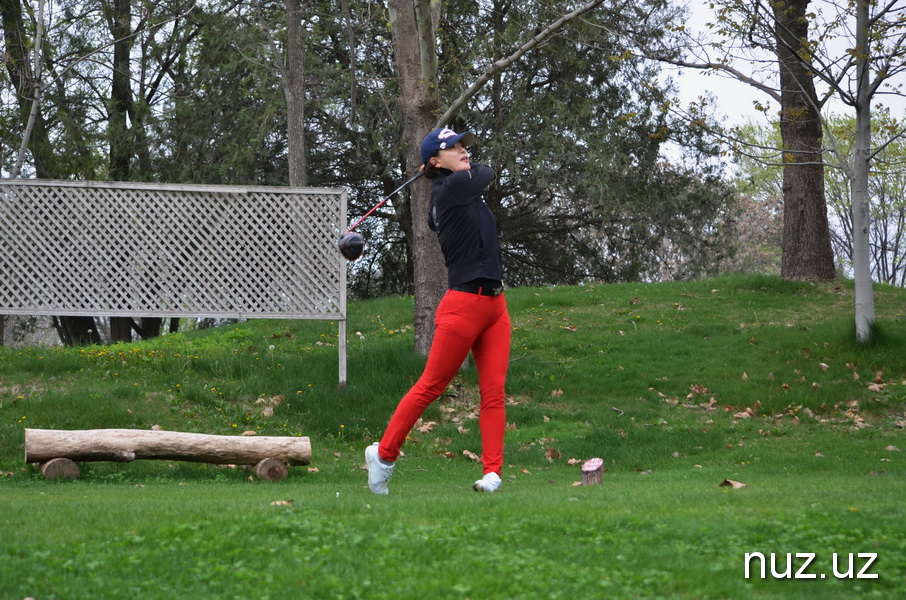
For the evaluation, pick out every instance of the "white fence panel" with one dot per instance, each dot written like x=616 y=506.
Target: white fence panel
x=159 y=250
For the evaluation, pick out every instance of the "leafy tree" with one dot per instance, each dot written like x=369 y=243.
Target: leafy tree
x=886 y=200
x=760 y=179
x=773 y=38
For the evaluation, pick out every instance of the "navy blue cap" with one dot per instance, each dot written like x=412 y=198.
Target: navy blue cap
x=441 y=139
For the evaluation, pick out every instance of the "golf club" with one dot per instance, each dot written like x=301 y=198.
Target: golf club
x=352 y=243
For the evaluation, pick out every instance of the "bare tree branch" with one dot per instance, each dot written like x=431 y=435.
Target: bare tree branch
x=503 y=63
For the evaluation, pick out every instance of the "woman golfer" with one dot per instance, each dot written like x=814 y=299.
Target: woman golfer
x=471 y=316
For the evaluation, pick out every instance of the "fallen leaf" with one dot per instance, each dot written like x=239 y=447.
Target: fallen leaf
x=425 y=427
x=730 y=483
x=552 y=454
x=545 y=418
x=806 y=352
x=745 y=376
x=888 y=448
x=282 y=503
x=577 y=483
x=648 y=472
x=556 y=393
x=746 y=414
x=471 y=455
x=675 y=455
x=462 y=429
x=249 y=432
x=573 y=461
x=823 y=366
x=858 y=421
x=449 y=455
x=313 y=470
x=524 y=470
x=511 y=427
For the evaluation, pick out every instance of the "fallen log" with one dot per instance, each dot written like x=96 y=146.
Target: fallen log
x=127 y=445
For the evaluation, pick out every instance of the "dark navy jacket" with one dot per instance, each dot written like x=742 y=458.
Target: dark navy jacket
x=465 y=225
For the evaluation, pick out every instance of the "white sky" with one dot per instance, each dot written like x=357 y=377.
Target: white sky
x=734 y=99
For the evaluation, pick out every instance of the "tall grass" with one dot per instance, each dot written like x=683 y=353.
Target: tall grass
x=678 y=386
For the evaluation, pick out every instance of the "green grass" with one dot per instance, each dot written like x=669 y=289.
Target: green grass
x=654 y=378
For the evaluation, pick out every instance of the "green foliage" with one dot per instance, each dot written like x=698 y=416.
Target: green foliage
x=575 y=132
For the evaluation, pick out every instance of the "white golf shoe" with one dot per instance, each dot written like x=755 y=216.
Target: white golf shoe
x=379 y=471
x=489 y=483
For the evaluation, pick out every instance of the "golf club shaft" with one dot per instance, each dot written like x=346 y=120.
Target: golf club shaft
x=379 y=204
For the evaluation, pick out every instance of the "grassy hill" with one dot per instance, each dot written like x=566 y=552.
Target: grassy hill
x=677 y=386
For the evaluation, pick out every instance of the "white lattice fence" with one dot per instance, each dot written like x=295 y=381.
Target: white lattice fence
x=131 y=249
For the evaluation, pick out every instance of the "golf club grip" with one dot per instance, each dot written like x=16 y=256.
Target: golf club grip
x=381 y=203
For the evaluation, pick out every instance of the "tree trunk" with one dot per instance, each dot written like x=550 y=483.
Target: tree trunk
x=77 y=331
x=294 y=91
x=865 y=304
x=22 y=77
x=414 y=45
x=120 y=24
x=127 y=445
x=120 y=329
x=807 y=252
x=151 y=327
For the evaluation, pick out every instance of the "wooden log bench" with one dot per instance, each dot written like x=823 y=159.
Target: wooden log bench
x=56 y=451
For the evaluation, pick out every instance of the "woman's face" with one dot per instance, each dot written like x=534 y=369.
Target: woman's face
x=454 y=159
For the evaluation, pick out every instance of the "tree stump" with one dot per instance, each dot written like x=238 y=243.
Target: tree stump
x=271 y=469
x=60 y=468
x=593 y=471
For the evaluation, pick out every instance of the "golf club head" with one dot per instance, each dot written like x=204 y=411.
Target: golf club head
x=351 y=245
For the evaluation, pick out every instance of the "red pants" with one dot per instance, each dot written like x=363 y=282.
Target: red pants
x=463 y=322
